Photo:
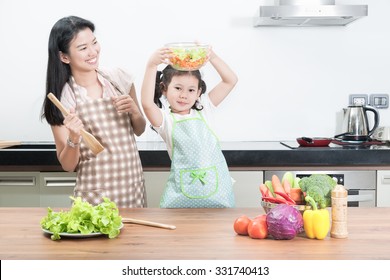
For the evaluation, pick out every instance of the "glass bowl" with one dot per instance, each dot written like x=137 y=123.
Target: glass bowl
x=188 y=56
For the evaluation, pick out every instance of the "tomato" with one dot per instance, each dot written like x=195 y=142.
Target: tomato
x=257 y=228
x=261 y=217
x=241 y=225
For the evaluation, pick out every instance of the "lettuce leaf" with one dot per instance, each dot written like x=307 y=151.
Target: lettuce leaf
x=84 y=218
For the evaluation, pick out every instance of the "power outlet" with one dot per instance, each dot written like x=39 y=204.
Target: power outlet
x=358 y=99
x=380 y=101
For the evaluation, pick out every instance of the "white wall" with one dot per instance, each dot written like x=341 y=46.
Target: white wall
x=292 y=81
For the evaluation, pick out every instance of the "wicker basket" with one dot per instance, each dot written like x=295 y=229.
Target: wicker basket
x=268 y=206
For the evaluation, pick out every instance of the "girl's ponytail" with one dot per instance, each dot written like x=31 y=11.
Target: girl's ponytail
x=158 y=90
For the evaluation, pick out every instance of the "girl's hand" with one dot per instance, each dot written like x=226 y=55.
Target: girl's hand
x=124 y=104
x=211 y=54
x=74 y=125
x=160 y=56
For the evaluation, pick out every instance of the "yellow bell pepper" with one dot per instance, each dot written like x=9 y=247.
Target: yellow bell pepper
x=316 y=222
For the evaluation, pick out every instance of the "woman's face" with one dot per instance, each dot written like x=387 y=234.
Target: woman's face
x=83 y=53
x=182 y=93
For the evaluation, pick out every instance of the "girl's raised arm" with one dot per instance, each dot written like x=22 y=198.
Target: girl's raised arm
x=229 y=79
x=152 y=111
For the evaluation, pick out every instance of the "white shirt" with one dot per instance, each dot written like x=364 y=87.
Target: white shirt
x=122 y=78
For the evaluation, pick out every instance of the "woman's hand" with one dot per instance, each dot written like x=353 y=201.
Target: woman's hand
x=125 y=104
x=74 y=125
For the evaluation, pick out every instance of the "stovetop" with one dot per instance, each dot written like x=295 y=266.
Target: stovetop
x=336 y=144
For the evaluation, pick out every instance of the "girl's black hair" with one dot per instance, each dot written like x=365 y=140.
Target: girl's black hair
x=58 y=73
x=164 y=78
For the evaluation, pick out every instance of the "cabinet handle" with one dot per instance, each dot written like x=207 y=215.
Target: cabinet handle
x=18 y=181
x=361 y=197
x=60 y=182
x=386 y=179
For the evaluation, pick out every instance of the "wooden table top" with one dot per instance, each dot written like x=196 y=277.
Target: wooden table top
x=200 y=234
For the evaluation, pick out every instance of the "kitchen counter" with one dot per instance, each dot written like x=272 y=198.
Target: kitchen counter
x=41 y=156
x=203 y=234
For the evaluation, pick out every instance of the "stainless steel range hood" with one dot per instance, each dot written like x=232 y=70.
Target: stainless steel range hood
x=308 y=13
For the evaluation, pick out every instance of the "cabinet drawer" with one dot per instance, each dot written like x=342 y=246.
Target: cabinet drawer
x=19 y=189
x=56 y=187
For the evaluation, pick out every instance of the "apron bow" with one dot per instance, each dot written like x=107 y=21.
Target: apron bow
x=198 y=175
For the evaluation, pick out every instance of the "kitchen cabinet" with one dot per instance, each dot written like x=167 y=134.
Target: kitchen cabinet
x=246 y=187
x=56 y=187
x=155 y=184
x=383 y=188
x=19 y=189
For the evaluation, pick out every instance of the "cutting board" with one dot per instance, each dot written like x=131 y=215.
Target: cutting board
x=6 y=144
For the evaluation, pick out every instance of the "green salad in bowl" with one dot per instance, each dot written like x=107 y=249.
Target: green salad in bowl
x=188 y=56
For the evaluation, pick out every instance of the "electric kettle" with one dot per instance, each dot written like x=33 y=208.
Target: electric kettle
x=355 y=125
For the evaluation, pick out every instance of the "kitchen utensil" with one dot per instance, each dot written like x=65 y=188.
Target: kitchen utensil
x=6 y=144
x=90 y=140
x=314 y=142
x=355 y=125
x=188 y=56
x=147 y=223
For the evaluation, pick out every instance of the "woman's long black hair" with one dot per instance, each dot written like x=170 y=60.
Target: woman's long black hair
x=58 y=73
x=164 y=78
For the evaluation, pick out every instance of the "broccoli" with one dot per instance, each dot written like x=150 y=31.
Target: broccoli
x=319 y=187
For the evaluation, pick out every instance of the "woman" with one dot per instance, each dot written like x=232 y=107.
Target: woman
x=103 y=102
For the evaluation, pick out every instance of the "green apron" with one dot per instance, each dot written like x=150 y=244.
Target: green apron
x=199 y=175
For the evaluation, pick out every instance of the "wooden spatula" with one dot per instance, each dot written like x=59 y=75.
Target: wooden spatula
x=6 y=144
x=90 y=140
x=147 y=223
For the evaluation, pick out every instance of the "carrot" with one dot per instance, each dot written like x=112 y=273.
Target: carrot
x=274 y=200
x=268 y=184
x=264 y=190
x=278 y=187
x=286 y=186
x=286 y=197
x=277 y=184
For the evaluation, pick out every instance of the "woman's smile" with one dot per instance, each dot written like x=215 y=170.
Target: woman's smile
x=92 y=61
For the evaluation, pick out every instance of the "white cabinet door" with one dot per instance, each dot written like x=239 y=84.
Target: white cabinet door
x=56 y=187
x=383 y=188
x=19 y=189
x=155 y=183
x=246 y=188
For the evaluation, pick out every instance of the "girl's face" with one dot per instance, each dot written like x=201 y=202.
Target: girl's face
x=83 y=53
x=182 y=93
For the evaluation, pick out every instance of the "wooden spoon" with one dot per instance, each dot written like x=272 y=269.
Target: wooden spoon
x=147 y=223
x=90 y=140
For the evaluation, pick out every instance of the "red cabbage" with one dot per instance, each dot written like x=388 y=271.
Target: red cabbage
x=284 y=222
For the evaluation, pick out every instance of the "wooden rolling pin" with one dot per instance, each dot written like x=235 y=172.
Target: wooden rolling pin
x=147 y=223
x=90 y=140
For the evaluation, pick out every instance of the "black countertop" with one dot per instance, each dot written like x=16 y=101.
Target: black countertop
x=261 y=155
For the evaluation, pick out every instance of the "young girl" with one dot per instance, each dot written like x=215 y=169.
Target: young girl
x=199 y=174
x=103 y=103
